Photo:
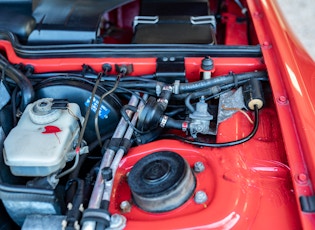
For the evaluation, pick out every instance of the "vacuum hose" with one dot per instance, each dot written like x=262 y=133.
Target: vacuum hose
x=20 y=79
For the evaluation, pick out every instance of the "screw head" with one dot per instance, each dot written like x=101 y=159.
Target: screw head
x=282 y=99
x=302 y=177
x=199 y=167
x=117 y=221
x=200 y=197
x=266 y=43
x=125 y=206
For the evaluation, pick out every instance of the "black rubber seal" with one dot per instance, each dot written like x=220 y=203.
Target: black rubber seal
x=157 y=174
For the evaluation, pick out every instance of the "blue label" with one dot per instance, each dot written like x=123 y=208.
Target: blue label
x=103 y=113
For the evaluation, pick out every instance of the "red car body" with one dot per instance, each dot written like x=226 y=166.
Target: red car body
x=254 y=185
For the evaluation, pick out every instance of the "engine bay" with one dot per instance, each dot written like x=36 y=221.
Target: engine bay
x=164 y=118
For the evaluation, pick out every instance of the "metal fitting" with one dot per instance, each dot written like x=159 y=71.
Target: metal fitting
x=163 y=101
x=199 y=167
x=117 y=222
x=163 y=121
x=176 y=87
x=125 y=206
x=200 y=197
x=158 y=89
x=168 y=88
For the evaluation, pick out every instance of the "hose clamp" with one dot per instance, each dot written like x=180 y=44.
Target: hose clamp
x=184 y=126
x=163 y=121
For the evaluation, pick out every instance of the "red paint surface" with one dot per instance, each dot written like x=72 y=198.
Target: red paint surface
x=236 y=32
x=248 y=186
x=141 y=66
x=255 y=185
x=291 y=74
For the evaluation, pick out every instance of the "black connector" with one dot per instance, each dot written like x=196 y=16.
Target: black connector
x=253 y=94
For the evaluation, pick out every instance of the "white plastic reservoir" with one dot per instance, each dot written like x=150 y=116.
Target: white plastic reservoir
x=39 y=144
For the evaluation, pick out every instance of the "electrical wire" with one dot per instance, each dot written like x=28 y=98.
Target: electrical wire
x=126 y=117
x=225 y=144
x=14 y=109
x=77 y=148
x=97 y=131
x=76 y=161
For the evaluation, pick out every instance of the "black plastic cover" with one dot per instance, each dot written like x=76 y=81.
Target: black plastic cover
x=174 y=7
x=307 y=203
x=70 y=21
x=174 y=30
x=16 y=17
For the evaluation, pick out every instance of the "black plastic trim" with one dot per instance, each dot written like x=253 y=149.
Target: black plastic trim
x=129 y=50
x=307 y=203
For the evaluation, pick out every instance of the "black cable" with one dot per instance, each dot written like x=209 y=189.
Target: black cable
x=20 y=79
x=132 y=92
x=13 y=102
x=82 y=131
x=175 y=111
x=248 y=30
x=194 y=95
x=126 y=117
x=225 y=144
x=97 y=131
x=92 y=146
x=91 y=76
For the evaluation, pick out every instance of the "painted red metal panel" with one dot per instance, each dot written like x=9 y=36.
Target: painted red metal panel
x=248 y=186
x=255 y=185
x=291 y=73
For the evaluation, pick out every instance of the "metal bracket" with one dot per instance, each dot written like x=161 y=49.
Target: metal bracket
x=144 y=20
x=202 y=20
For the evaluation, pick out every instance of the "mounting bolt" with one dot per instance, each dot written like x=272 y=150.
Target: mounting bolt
x=107 y=67
x=117 y=221
x=266 y=43
x=29 y=70
x=302 y=177
x=282 y=99
x=200 y=197
x=199 y=167
x=257 y=14
x=125 y=206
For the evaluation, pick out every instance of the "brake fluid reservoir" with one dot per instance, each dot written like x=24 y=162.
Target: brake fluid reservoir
x=40 y=143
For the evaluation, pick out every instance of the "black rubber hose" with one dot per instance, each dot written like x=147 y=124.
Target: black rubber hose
x=197 y=94
x=13 y=102
x=174 y=124
x=20 y=79
x=201 y=85
x=227 y=79
x=140 y=84
x=74 y=214
x=225 y=144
